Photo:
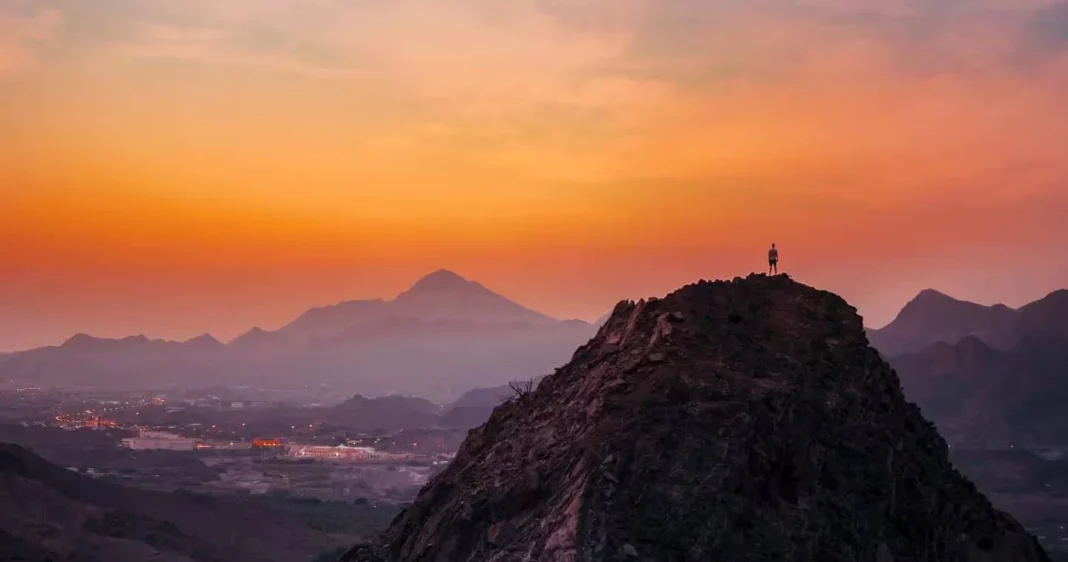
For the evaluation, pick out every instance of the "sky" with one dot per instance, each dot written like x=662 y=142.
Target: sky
x=171 y=168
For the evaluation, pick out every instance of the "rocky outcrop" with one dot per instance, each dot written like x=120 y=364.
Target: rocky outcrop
x=743 y=421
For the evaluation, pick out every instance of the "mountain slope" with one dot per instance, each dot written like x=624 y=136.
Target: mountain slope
x=47 y=510
x=737 y=421
x=86 y=361
x=444 y=294
x=979 y=395
x=1048 y=315
x=326 y=321
x=933 y=317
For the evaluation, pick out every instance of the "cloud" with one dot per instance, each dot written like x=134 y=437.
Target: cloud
x=823 y=95
x=1046 y=29
x=217 y=46
x=21 y=35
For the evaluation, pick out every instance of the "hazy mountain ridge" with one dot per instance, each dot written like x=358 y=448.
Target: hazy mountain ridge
x=982 y=395
x=439 y=296
x=986 y=375
x=933 y=317
x=440 y=338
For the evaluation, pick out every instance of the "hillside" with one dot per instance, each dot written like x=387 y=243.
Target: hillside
x=387 y=412
x=743 y=421
x=48 y=513
x=474 y=407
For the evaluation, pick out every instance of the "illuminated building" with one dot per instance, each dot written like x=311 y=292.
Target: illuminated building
x=343 y=452
x=147 y=443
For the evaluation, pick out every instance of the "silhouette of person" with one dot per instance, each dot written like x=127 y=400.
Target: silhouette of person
x=773 y=260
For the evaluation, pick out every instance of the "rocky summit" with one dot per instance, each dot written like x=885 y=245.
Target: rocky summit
x=729 y=421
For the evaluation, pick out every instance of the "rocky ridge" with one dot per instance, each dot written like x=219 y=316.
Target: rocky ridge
x=744 y=421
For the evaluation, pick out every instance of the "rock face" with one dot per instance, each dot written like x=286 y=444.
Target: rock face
x=743 y=421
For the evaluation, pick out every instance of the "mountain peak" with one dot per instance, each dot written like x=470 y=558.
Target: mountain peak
x=204 y=340
x=256 y=335
x=1047 y=314
x=444 y=294
x=1057 y=298
x=932 y=295
x=80 y=340
x=934 y=316
x=85 y=341
x=442 y=280
x=733 y=406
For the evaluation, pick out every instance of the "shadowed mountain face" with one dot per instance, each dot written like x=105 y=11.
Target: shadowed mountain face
x=49 y=514
x=386 y=412
x=979 y=395
x=1048 y=315
x=737 y=421
x=442 y=337
x=986 y=375
x=934 y=317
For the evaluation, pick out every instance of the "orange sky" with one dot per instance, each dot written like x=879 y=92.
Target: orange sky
x=172 y=168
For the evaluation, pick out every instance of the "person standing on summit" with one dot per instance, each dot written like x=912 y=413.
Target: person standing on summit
x=773 y=260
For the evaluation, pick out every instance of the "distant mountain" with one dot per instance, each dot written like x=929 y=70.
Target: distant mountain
x=1047 y=315
x=85 y=361
x=439 y=296
x=50 y=514
x=85 y=342
x=474 y=407
x=483 y=397
x=438 y=339
x=416 y=328
x=933 y=317
x=444 y=294
x=984 y=374
x=258 y=337
x=206 y=341
x=327 y=321
x=387 y=413
x=982 y=395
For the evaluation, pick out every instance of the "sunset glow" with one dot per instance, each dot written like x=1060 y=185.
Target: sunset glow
x=179 y=167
